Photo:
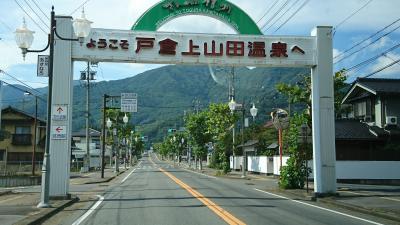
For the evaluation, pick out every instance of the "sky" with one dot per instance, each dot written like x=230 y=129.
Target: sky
x=122 y=14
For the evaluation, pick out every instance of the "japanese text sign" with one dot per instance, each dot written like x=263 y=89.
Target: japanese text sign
x=185 y=48
x=43 y=66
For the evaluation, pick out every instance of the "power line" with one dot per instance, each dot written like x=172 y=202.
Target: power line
x=291 y=16
x=34 y=11
x=30 y=16
x=268 y=10
x=26 y=85
x=364 y=47
x=275 y=14
x=280 y=17
x=371 y=36
x=22 y=90
x=84 y=3
x=349 y=17
x=34 y=2
x=370 y=60
x=382 y=68
x=8 y=27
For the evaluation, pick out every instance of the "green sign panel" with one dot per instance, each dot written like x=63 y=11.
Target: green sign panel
x=222 y=10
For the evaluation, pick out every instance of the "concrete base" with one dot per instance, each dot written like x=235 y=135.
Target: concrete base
x=65 y=197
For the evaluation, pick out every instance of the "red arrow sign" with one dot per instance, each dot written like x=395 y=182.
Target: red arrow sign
x=59 y=129
x=59 y=110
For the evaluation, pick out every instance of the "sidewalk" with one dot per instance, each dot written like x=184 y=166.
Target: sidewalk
x=18 y=204
x=380 y=201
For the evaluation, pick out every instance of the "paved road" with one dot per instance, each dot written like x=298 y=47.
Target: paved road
x=157 y=193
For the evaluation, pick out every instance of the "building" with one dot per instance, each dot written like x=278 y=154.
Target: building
x=371 y=130
x=78 y=151
x=17 y=138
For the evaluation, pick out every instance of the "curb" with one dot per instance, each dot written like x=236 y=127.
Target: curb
x=46 y=214
x=5 y=193
x=106 y=180
x=360 y=209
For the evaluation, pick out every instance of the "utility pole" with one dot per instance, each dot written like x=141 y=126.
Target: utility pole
x=88 y=76
x=1 y=100
x=34 y=137
x=103 y=140
x=232 y=97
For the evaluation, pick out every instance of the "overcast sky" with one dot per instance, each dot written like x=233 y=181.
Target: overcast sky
x=122 y=14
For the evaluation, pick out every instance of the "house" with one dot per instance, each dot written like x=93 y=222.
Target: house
x=371 y=130
x=78 y=151
x=17 y=138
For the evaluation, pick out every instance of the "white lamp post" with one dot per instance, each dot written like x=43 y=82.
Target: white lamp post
x=232 y=105
x=253 y=111
x=24 y=39
x=125 y=119
x=109 y=123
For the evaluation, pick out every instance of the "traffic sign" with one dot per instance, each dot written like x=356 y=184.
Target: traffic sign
x=59 y=132
x=43 y=66
x=60 y=112
x=128 y=102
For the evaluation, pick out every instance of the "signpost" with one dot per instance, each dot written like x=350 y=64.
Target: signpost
x=43 y=66
x=128 y=102
x=58 y=132
x=60 y=113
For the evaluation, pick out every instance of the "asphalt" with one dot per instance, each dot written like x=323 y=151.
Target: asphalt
x=155 y=192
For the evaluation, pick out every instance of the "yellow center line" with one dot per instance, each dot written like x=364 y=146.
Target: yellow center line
x=225 y=215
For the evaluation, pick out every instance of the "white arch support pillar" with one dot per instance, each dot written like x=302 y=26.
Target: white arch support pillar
x=323 y=127
x=60 y=146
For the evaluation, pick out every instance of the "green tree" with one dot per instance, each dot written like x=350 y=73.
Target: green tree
x=198 y=133
x=219 y=120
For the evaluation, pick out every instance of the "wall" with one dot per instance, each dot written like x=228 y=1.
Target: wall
x=346 y=170
x=393 y=108
x=16 y=181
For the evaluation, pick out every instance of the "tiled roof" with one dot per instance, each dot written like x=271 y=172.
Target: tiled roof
x=352 y=129
x=381 y=86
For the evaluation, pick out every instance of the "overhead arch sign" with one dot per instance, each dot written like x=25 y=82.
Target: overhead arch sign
x=221 y=10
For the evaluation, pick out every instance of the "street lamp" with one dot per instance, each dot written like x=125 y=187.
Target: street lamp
x=109 y=123
x=232 y=105
x=125 y=119
x=24 y=39
x=253 y=111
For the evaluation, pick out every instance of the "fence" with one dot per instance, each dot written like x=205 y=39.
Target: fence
x=345 y=170
x=19 y=168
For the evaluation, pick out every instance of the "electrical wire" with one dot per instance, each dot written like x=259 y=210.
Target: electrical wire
x=364 y=47
x=39 y=17
x=291 y=16
x=268 y=10
x=34 y=2
x=382 y=68
x=370 y=60
x=349 y=17
x=22 y=90
x=81 y=5
x=34 y=21
x=275 y=14
x=364 y=40
x=26 y=85
x=8 y=27
x=280 y=17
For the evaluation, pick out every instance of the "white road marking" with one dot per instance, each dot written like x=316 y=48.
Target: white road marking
x=200 y=173
x=130 y=173
x=9 y=199
x=318 y=207
x=84 y=216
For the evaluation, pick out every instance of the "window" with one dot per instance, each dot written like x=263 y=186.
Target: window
x=23 y=130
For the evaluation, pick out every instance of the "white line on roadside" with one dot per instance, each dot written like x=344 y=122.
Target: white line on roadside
x=318 y=207
x=9 y=199
x=84 y=216
x=199 y=173
x=130 y=173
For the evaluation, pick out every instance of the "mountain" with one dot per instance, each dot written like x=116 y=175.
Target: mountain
x=165 y=93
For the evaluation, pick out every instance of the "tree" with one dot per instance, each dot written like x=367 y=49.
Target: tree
x=219 y=120
x=199 y=134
